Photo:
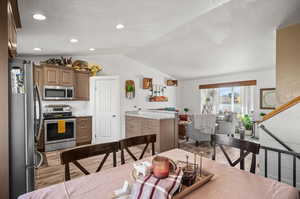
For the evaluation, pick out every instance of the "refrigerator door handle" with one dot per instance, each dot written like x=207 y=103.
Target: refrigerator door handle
x=37 y=163
x=40 y=114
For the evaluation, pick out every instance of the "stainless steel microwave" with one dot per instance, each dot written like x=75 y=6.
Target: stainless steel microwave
x=58 y=93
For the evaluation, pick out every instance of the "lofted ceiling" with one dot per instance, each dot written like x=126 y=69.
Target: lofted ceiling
x=186 y=39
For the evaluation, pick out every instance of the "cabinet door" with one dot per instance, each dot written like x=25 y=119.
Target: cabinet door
x=82 y=86
x=83 y=130
x=133 y=126
x=38 y=77
x=51 y=76
x=66 y=77
x=150 y=126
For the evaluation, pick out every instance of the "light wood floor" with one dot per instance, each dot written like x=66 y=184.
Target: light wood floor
x=53 y=172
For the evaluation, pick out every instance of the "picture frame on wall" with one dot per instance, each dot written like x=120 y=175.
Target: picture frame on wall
x=147 y=83
x=171 y=82
x=268 y=98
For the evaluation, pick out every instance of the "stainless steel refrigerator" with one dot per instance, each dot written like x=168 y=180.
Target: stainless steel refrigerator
x=25 y=127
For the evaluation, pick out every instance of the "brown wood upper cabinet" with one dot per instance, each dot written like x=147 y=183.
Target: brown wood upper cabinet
x=66 y=77
x=58 y=76
x=51 y=75
x=38 y=77
x=82 y=86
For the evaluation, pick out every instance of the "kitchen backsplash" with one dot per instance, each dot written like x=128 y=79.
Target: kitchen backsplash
x=78 y=107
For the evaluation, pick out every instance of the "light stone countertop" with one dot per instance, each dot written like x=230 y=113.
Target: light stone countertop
x=81 y=115
x=151 y=114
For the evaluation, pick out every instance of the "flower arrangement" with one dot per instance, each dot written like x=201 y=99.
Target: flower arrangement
x=94 y=68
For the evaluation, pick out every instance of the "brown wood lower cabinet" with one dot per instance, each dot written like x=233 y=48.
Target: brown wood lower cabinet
x=165 y=129
x=83 y=130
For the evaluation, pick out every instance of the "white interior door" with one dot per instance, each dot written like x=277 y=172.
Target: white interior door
x=106 y=109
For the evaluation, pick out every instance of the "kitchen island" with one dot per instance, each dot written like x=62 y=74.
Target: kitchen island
x=162 y=123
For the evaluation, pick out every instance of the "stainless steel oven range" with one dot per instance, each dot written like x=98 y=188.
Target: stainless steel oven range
x=55 y=118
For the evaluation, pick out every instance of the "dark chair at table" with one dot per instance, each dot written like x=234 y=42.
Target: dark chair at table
x=245 y=146
x=75 y=154
x=134 y=141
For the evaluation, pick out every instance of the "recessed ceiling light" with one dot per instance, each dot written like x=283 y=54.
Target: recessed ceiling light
x=92 y=49
x=73 y=40
x=120 y=26
x=39 y=17
x=37 y=49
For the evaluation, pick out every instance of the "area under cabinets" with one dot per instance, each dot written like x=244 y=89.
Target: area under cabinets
x=58 y=77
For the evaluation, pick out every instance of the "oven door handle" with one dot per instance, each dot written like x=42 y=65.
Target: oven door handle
x=38 y=94
x=54 y=121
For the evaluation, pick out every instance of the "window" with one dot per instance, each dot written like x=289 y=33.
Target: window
x=238 y=99
x=230 y=99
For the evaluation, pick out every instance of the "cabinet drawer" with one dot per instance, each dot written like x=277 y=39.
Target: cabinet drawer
x=83 y=123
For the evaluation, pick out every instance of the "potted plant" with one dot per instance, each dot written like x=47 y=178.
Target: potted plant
x=247 y=122
x=129 y=91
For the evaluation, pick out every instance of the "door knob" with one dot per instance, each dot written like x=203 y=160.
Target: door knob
x=114 y=115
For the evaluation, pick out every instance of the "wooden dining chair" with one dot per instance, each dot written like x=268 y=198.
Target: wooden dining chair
x=75 y=154
x=134 y=141
x=246 y=147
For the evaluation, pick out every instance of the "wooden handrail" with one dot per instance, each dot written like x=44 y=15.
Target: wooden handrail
x=281 y=108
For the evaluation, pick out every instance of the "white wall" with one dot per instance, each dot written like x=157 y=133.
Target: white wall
x=190 y=93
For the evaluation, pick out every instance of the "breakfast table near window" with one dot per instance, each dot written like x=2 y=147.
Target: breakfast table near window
x=227 y=183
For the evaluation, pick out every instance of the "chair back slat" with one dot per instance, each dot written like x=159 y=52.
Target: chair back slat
x=236 y=143
x=245 y=146
x=78 y=153
x=134 y=141
x=86 y=151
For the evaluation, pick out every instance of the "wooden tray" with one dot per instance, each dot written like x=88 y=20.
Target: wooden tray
x=200 y=181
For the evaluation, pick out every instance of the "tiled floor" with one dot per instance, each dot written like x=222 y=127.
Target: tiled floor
x=53 y=172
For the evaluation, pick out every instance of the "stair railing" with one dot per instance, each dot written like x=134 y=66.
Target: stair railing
x=289 y=151
x=279 y=152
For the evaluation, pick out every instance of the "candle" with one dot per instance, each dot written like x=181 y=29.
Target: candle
x=161 y=167
x=187 y=162
x=195 y=156
x=200 y=164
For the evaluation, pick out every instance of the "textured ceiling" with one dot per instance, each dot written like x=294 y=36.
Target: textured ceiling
x=186 y=39
x=93 y=23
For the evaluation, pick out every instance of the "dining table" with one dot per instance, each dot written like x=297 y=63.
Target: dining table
x=227 y=183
